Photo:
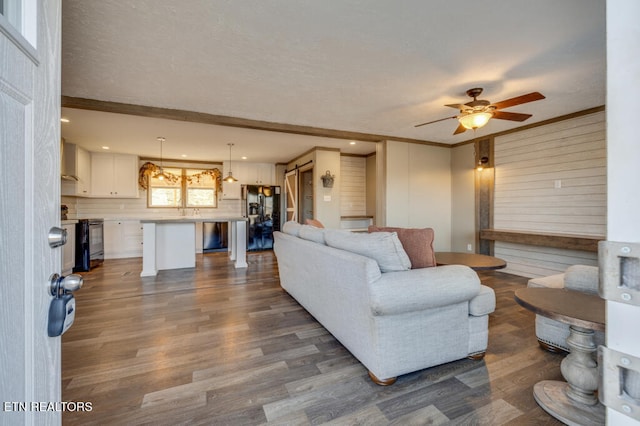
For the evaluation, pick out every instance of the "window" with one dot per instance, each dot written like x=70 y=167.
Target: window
x=200 y=188
x=183 y=188
x=19 y=22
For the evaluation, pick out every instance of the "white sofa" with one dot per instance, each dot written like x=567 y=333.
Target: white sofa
x=552 y=335
x=393 y=322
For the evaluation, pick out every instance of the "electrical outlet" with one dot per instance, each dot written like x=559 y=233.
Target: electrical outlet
x=469 y=247
x=557 y=184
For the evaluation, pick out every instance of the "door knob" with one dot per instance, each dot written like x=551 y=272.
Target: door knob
x=59 y=285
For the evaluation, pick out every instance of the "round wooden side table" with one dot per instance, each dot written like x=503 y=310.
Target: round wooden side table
x=573 y=402
x=477 y=262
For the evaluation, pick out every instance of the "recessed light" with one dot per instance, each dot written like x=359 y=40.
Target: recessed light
x=352 y=143
x=105 y=147
x=184 y=156
x=64 y=120
x=244 y=158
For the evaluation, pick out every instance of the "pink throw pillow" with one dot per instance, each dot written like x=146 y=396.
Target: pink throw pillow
x=418 y=243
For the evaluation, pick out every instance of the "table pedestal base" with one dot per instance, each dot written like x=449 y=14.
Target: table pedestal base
x=552 y=397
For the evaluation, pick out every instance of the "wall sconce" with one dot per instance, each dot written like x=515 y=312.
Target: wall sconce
x=327 y=179
x=482 y=163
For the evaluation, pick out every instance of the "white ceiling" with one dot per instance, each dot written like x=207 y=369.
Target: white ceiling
x=369 y=66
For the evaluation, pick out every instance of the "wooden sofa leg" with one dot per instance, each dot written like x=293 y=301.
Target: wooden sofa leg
x=477 y=356
x=385 y=382
x=550 y=348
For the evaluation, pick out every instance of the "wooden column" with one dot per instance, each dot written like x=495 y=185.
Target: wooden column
x=484 y=192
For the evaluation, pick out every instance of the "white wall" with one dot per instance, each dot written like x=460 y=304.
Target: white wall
x=463 y=207
x=418 y=189
x=326 y=201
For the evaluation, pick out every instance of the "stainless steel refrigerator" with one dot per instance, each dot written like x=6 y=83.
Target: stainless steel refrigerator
x=261 y=205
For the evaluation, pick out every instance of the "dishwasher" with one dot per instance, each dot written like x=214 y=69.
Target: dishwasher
x=214 y=236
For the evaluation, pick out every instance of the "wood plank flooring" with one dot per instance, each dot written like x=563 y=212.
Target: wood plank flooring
x=221 y=346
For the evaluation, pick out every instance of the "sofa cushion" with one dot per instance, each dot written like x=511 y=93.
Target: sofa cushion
x=550 y=281
x=582 y=278
x=418 y=243
x=384 y=247
x=292 y=228
x=311 y=233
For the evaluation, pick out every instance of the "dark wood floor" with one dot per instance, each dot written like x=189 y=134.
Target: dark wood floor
x=220 y=346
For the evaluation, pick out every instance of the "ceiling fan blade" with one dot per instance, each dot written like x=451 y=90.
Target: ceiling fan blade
x=460 y=129
x=512 y=116
x=457 y=106
x=435 y=121
x=529 y=97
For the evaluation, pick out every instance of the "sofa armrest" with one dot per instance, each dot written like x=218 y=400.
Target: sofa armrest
x=484 y=303
x=420 y=289
x=582 y=278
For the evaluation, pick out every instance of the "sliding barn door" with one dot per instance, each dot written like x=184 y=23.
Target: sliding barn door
x=291 y=194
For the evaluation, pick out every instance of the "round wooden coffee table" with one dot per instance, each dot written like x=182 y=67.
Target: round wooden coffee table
x=477 y=262
x=573 y=402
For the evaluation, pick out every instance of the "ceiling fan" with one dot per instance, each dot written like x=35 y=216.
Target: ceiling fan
x=478 y=112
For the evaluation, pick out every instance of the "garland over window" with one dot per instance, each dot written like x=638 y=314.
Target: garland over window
x=149 y=169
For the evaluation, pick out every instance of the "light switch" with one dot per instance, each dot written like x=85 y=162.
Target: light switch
x=327 y=197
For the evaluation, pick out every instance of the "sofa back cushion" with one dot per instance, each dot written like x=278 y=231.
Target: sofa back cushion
x=292 y=228
x=384 y=247
x=311 y=233
x=418 y=243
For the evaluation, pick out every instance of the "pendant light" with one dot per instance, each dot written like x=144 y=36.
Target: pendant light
x=160 y=175
x=230 y=177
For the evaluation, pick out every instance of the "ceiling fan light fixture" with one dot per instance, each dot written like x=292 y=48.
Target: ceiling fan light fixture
x=475 y=120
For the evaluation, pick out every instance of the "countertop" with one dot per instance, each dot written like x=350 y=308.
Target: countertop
x=195 y=219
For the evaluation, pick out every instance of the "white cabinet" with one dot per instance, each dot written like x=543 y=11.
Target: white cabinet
x=114 y=175
x=76 y=171
x=260 y=174
x=247 y=174
x=231 y=191
x=69 y=250
x=122 y=238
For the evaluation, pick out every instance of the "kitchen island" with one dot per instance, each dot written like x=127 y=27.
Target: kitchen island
x=171 y=243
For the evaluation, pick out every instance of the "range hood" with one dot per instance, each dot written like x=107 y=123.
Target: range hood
x=63 y=166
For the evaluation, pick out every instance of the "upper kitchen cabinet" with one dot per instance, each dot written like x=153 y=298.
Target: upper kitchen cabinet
x=76 y=171
x=231 y=191
x=261 y=174
x=247 y=174
x=114 y=175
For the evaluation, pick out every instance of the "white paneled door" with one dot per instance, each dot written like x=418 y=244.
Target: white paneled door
x=30 y=205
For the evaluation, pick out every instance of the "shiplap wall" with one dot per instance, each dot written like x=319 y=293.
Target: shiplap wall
x=551 y=179
x=353 y=186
